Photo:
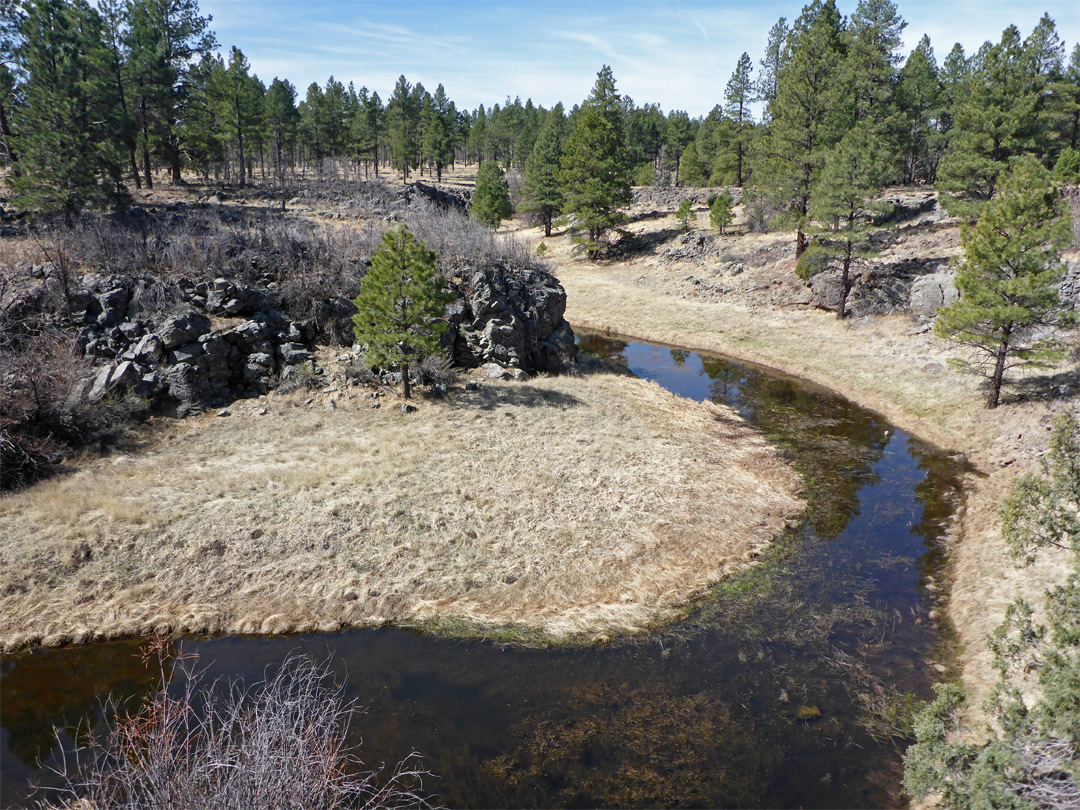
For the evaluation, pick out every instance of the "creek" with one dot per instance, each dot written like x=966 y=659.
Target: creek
x=783 y=687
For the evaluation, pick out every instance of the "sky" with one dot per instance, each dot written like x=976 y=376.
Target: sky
x=677 y=53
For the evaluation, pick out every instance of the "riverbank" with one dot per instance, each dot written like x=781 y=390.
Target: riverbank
x=569 y=508
x=886 y=364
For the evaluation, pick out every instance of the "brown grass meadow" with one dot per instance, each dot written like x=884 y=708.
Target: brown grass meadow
x=553 y=509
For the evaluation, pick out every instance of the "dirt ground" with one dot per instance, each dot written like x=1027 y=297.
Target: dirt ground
x=557 y=508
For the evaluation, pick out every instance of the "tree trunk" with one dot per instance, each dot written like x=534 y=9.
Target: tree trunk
x=845 y=282
x=999 y=371
x=547 y=225
x=148 y=176
x=800 y=243
x=406 y=387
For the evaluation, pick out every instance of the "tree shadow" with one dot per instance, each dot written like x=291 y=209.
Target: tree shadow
x=1059 y=384
x=492 y=397
x=639 y=244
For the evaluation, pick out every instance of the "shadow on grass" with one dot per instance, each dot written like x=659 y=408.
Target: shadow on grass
x=1058 y=384
x=492 y=397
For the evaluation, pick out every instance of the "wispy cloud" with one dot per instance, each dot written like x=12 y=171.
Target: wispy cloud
x=677 y=54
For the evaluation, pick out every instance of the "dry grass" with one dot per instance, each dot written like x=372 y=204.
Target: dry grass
x=577 y=507
x=883 y=364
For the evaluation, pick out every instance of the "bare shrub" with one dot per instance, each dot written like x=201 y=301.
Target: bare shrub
x=438 y=369
x=40 y=423
x=311 y=263
x=462 y=244
x=280 y=744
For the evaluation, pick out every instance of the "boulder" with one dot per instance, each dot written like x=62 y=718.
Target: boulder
x=183 y=328
x=930 y=293
x=513 y=318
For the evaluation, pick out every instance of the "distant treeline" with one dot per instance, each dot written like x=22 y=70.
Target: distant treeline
x=96 y=99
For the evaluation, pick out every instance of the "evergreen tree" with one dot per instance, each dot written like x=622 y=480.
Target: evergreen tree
x=400 y=306
x=855 y=169
x=685 y=213
x=312 y=125
x=721 y=213
x=871 y=42
x=114 y=27
x=402 y=119
x=678 y=134
x=594 y=174
x=919 y=120
x=241 y=100
x=541 y=191
x=995 y=120
x=1009 y=277
x=808 y=117
x=690 y=173
x=438 y=139
x=281 y=121
x=166 y=40
x=67 y=126
x=1025 y=756
x=490 y=203
x=768 y=81
x=737 y=97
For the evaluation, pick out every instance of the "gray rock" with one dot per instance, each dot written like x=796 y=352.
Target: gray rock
x=100 y=385
x=111 y=306
x=405 y=407
x=512 y=317
x=295 y=354
x=493 y=371
x=149 y=350
x=930 y=293
x=183 y=328
x=189 y=353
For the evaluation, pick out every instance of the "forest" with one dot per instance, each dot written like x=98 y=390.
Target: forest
x=95 y=101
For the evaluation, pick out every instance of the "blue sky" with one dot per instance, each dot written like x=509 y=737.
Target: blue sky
x=678 y=53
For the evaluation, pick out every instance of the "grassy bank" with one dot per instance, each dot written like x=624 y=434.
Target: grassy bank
x=565 y=507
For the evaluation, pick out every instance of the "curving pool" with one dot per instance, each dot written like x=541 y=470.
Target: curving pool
x=785 y=687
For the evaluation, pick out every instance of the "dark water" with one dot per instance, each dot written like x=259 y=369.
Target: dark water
x=777 y=692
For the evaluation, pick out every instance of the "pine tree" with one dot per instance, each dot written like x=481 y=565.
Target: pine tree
x=808 y=117
x=855 y=170
x=768 y=81
x=166 y=40
x=67 y=145
x=240 y=98
x=737 y=97
x=684 y=213
x=872 y=40
x=400 y=306
x=1009 y=277
x=995 y=120
x=919 y=120
x=490 y=203
x=438 y=139
x=721 y=212
x=402 y=120
x=594 y=174
x=281 y=119
x=541 y=191
x=690 y=173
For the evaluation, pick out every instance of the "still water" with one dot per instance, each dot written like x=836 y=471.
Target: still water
x=779 y=690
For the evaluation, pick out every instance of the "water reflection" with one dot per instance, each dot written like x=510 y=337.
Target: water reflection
x=764 y=697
